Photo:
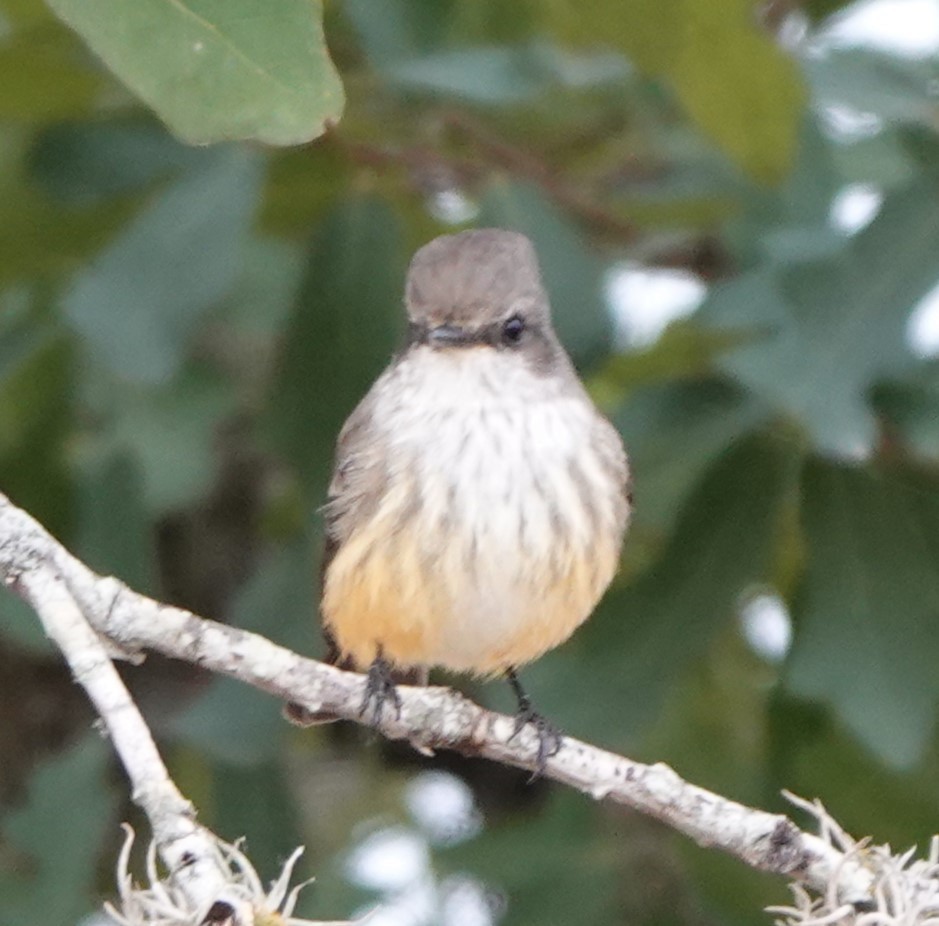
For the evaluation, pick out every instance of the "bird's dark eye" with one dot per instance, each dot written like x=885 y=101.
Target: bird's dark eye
x=513 y=329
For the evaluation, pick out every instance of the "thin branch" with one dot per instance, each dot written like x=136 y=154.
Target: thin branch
x=186 y=848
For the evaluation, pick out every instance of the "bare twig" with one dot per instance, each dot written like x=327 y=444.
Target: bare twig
x=185 y=847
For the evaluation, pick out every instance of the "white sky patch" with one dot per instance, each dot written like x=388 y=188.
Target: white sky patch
x=793 y=30
x=909 y=28
x=389 y=860
x=466 y=902
x=846 y=124
x=98 y=918
x=442 y=806
x=854 y=207
x=767 y=626
x=922 y=328
x=452 y=207
x=645 y=300
x=416 y=906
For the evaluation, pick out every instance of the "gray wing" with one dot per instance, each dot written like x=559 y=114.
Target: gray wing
x=359 y=479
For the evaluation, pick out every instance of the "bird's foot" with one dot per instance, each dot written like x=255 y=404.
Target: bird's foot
x=549 y=736
x=379 y=690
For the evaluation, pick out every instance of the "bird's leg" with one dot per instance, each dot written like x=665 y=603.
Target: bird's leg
x=549 y=737
x=379 y=689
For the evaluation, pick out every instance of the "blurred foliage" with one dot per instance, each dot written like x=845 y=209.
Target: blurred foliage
x=184 y=329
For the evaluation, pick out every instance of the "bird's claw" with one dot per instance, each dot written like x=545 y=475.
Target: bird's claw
x=379 y=690
x=549 y=736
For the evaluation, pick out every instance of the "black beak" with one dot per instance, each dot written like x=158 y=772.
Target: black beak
x=449 y=336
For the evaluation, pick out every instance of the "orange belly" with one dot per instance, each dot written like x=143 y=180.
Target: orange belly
x=448 y=604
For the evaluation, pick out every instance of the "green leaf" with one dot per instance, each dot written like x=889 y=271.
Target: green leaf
x=823 y=332
x=740 y=87
x=271 y=272
x=280 y=599
x=34 y=367
x=813 y=753
x=644 y=635
x=894 y=88
x=42 y=76
x=84 y=163
x=302 y=183
x=258 y=803
x=215 y=71
x=730 y=76
x=572 y=273
x=906 y=411
x=36 y=407
x=673 y=432
x=341 y=335
x=138 y=303
x=502 y=75
x=648 y=31
x=60 y=830
x=404 y=30
x=544 y=885
x=114 y=533
x=866 y=617
x=234 y=722
x=38 y=238
x=791 y=222
x=172 y=434
x=20 y=626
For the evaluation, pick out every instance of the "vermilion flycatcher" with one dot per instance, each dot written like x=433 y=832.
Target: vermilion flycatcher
x=479 y=499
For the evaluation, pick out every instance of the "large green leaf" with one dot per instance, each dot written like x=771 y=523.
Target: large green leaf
x=172 y=433
x=739 y=85
x=59 y=831
x=729 y=74
x=673 y=432
x=791 y=222
x=418 y=29
x=897 y=89
x=572 y=272
x=234 y=722
x=405 y=29
x=501 y=75
x=218 y=69
x=824 y=331
x=814 y=753
x=342 y=332
x=113 y=532
x=869 y=609
x=137 y=304
x=84 y=163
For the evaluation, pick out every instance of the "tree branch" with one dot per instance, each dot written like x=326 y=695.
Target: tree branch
x=54 y=582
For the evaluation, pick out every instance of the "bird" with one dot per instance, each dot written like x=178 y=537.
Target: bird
x=479 y=499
